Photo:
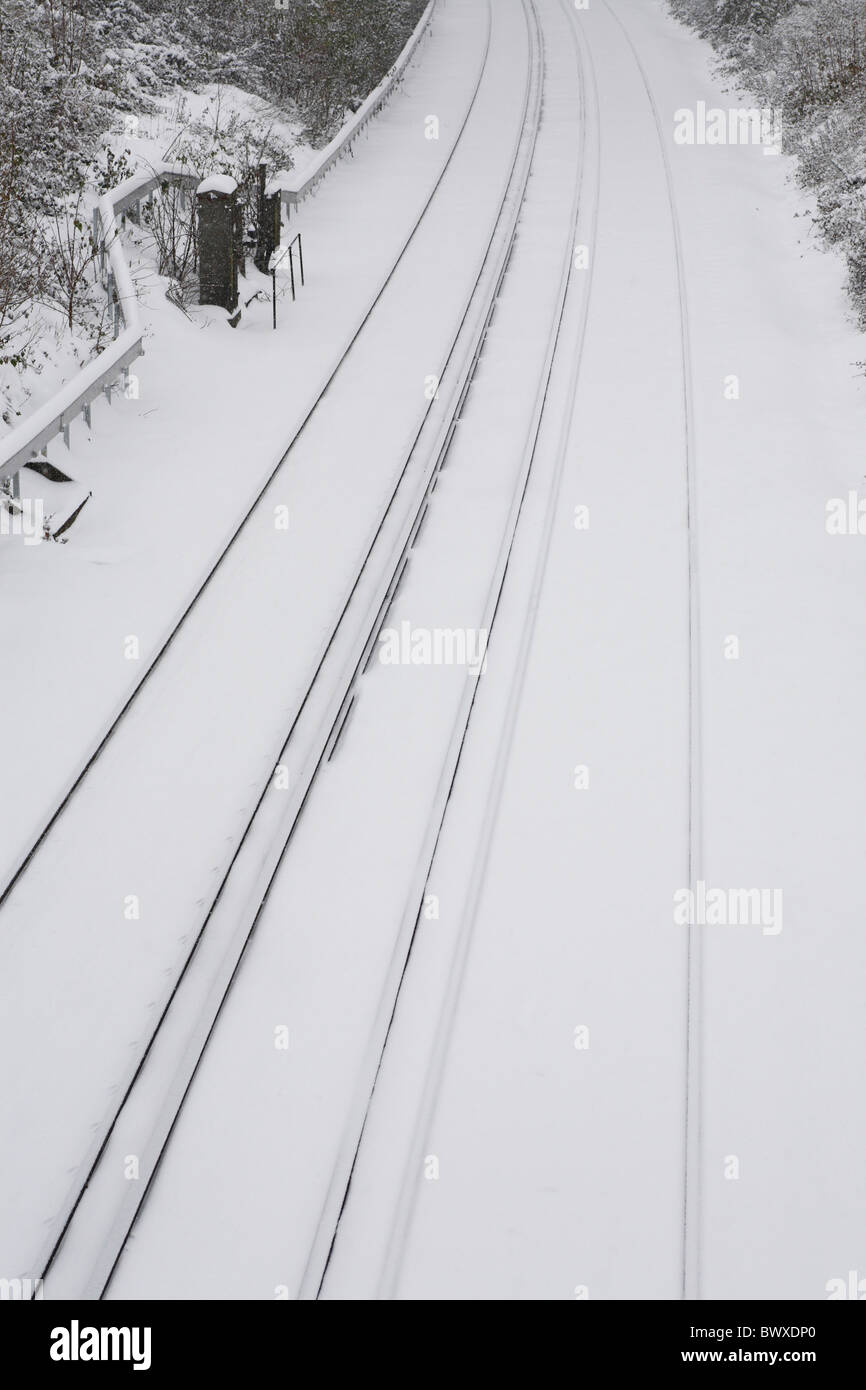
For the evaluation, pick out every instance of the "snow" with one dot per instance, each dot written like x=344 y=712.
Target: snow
x=218 y=183
x=568 y=1160
x=277 y=182
x=101 y=849
x=538 y=1048
x=172 y=476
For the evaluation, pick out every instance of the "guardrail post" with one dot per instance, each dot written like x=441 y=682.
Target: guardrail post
x=11 y=487
x=87 y=419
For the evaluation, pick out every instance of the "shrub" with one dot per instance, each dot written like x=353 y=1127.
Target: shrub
x=808 y=59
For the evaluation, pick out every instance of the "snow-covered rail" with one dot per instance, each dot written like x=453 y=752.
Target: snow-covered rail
x=38 y=429
x=30 y=437
x=358 y=326
x=583 y=203
x=294 y=187
x=94 y=1234
x=535 y=402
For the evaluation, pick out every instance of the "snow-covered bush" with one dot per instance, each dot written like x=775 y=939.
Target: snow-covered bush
x=719 y=19
x=169 y=217
x=19 y=281
x=51 y=114
x=823 y=53
x=807 y=59
x=68 y=254
x=327 y=55
x=228 y=143
x=110 y=169
x=19 y=255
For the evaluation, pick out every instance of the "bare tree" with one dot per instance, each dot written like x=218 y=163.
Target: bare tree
x=68 y=251
x=67 y=25
x=170 y=219
x=20 y=263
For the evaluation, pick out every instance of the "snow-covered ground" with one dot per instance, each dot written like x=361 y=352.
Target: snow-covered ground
x=580 y=1096
x=561 y=1151
x=136 y=879
x=173 y=472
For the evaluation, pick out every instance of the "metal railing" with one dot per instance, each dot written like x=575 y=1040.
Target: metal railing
x=277 y=261
x=294 y=187
x=76 y=396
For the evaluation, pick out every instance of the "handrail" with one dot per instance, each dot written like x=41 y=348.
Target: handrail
x=30 y=437
x=277 y=260
x=294 y=187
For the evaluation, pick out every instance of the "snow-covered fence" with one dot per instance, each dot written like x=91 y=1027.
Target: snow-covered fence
x=294 y=187
x=30 y=437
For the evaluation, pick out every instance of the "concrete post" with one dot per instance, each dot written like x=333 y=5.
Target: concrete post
x=217 y=212
x=268 y=222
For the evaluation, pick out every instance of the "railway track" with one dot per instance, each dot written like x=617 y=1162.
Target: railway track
x=177 y=1043
x=64 y=803
x=146 y=1119
x=583 y=220
x=437 y=1056
x=691 y=1286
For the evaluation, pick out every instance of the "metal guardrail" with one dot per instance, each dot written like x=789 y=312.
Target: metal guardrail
x=293 y=188
x=75 y=397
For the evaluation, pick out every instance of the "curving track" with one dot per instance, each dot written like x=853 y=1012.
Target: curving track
x=331 y=654
x=692 y=1140
x=441 y=1126
x=64 y=803
x=426 y=1252
x=563 y=316
x=175 y=1046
